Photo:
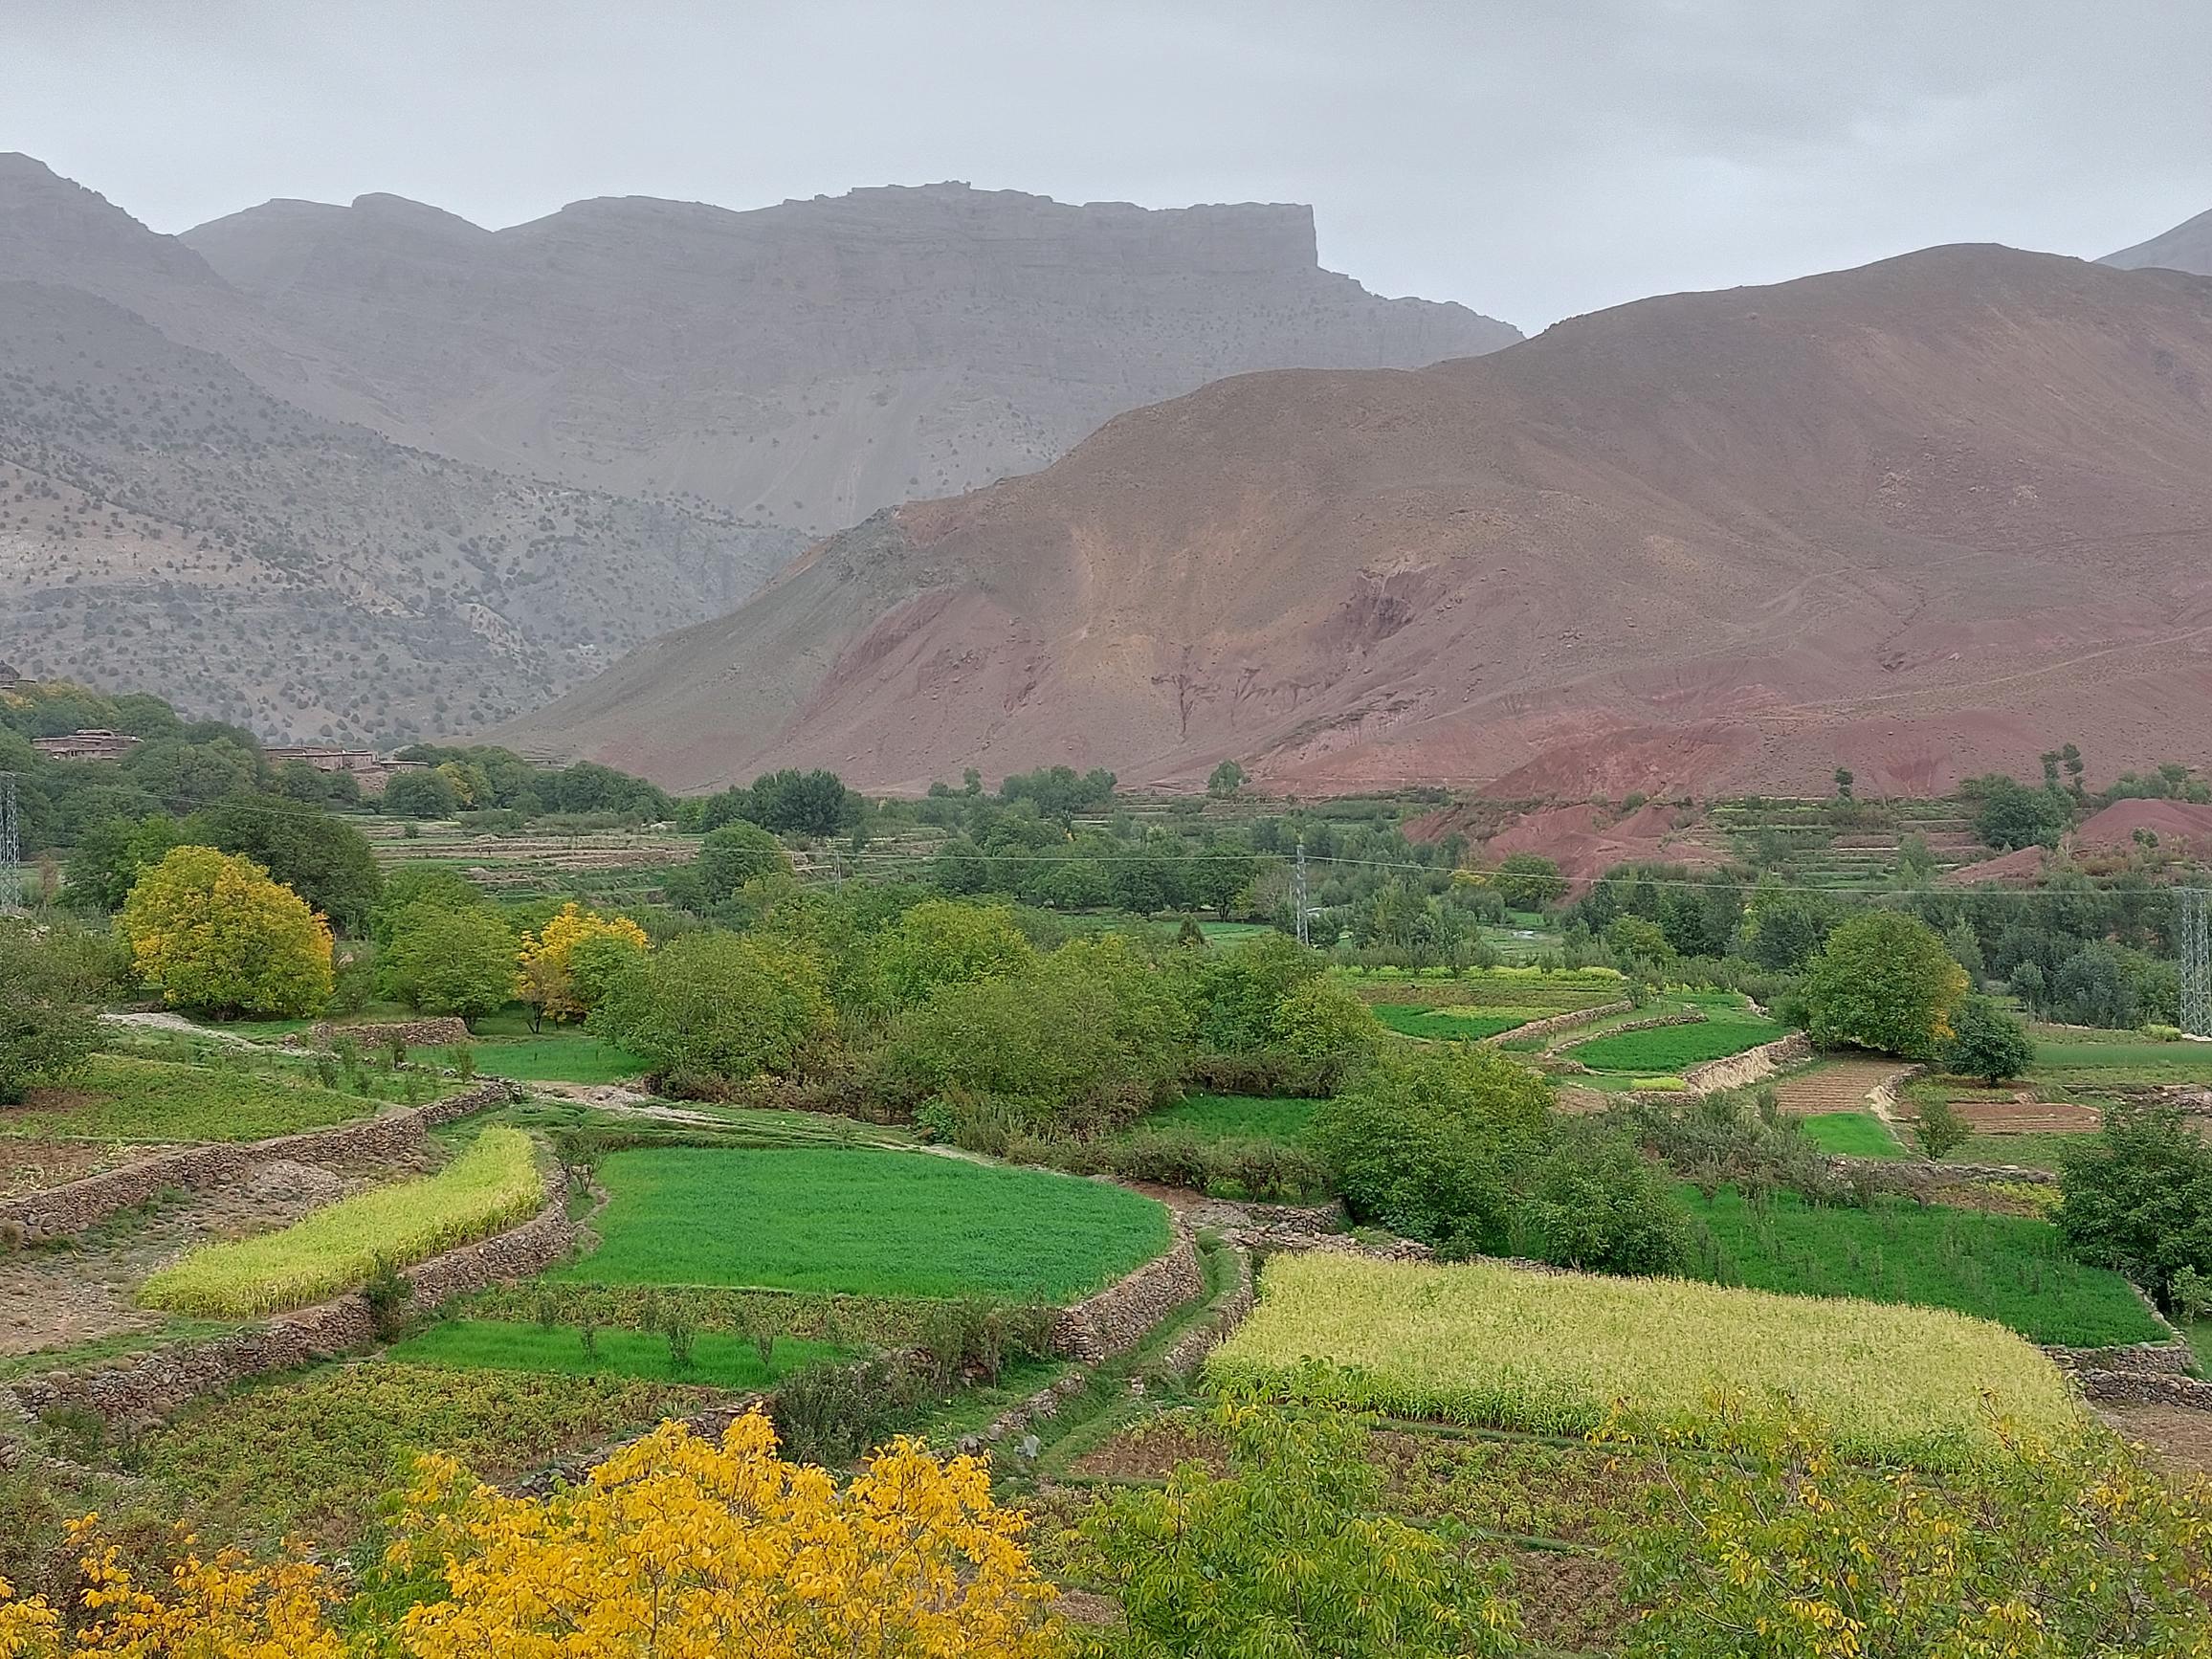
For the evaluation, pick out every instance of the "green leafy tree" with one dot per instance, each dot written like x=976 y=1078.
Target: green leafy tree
x=1434 y=1145
x=1641 y=945
x=1596 y=1203
x=420 y=795
x=1235 y=997
x=420 y=885
x=446 y=960
x=321 y=858
x=2011 y=816
x=1940 y=1129
x=1225 y=780
x=942 y=942
x=734 y=854
x=47 y=1028
x=1320 y=1020
x=1284 y=1553
x=113 y=854
x=2137 y=1196
x=1783 y=930
x=1843 y=782
x=214 y=933
x=1528 y=881
x=1987 y=1042
x=709 y=1010
x=1782 y=1550
x=1884 y=981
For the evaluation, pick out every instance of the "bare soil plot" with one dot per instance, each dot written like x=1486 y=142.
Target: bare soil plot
x=1834 y=1086
x=29 y=1165
x=1994 y=1117
x=61 y=1296
x=2183 y=1437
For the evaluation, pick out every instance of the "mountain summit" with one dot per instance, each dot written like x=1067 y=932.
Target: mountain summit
x=1922 y=519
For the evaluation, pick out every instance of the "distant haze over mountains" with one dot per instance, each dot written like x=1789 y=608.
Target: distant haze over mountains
x=2186 y=247
x=375 y=470
x=1922 y=519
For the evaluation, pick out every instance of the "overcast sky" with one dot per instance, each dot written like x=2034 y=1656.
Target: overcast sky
x=1531 y=157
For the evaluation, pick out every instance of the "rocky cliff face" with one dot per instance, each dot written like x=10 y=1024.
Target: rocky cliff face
x=808 y=362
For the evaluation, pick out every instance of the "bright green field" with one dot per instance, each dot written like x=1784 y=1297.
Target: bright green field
x=1451 y=1025
x=2091 y=1060
x=1725 y=1031
x=2010 y=1269
x=569 y=1057
x=1852 y=1135
x=887 y=1223
x=1234 y=1118
x=2034 y=1151
x=119 y=1097
x=718 y=1361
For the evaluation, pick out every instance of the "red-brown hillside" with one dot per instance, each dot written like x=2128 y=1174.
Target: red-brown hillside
x=1923 y=520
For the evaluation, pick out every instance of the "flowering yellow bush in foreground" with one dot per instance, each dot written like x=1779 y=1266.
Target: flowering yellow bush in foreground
x=676 y=1548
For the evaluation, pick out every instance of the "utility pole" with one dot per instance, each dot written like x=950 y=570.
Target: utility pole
x=10 y=850
x=1298 y=892
x=2193 y=944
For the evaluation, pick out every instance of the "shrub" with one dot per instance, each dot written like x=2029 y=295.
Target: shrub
x=1940 y=1129
x=1594 y=1202
x=1433 y=1144
x=2137 y=1196
x=1988 y=1043
x=47 y=1032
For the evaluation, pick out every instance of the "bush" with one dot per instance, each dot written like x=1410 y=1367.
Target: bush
x=1988 y=1043
x=47 y=1031
x=2137 y=1196
x=1594 y=1202
x=1434 y=1145
x=446 y=960
x=1941 y=1131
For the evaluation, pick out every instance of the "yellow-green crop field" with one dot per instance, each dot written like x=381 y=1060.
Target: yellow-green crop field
x=1503 y=1347
x=491 y=1185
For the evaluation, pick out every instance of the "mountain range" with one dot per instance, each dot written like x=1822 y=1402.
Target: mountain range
x=376 y=471
x=1920 y=519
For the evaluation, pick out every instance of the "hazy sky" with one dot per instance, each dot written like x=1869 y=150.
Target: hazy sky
x=1532 y=157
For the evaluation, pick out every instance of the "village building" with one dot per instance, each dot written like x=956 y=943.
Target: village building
x=91 y=744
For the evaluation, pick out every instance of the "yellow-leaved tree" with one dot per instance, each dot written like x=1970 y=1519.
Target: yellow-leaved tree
x=216 y=933
x=675 y=1548
x=566 y=965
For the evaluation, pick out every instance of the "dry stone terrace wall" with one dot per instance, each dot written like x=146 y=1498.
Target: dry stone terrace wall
x=437 y=1033
x=153 y=1384
x=1115 y=1320
x=1565 y=1022
x=62 y=1210
x=1752 y=1066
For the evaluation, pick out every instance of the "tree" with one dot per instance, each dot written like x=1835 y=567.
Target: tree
x=420 y=884
x=1285 y=1553
x=1234 y=997
x=1940 y=1129
x=940 y=942
x=1843 y=781
x=2011 y=816
x=113 y=854
x=677 y=1547
x=1784 y=1549
x=734 y=854
x=548 y=979
x=444 y=960
x=321 y=858
x=420 y=795
x=1594 y=1202
x=1320 y=1020
x=214 y=933
x=1225 y=780
x=47 y=1028
x=2137 y=1196
x=715 y=1008
x=1641 y=945
x=1782 y=930
x=1986 y=1042
x=1434 y=1145
x=1528 y=881
x=1884 y=981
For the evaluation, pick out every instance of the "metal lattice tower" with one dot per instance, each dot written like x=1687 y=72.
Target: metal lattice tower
x=10 y=849
x=1298 y=892
x=2193 y=944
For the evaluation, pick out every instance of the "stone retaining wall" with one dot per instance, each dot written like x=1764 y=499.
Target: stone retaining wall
x=1221 y=1321
x=1652 y=1024
x=2167 y=1359
x=442 y=1032
x=2146 y=1388
x=1565 y=1022
x=58 y=1211
x=1115 y=1320
x=151 y=1385
x=1920 y=1174
x=1752 y=1066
